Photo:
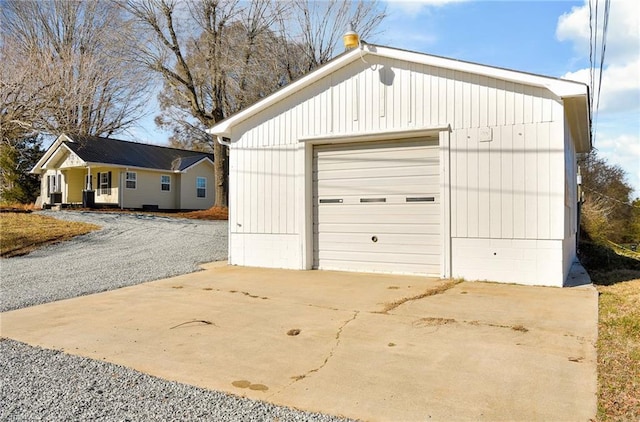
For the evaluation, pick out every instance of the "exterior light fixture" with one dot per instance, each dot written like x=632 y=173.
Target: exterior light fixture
x=351 y=38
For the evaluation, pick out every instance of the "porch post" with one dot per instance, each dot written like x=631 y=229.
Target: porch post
x=88 y=184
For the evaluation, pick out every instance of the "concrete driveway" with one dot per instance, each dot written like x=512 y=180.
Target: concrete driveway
x=373 y=347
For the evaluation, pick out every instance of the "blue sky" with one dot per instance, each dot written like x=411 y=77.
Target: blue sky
x=544 y=37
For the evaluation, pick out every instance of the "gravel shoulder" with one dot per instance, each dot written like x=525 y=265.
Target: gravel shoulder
x=129 y=249
x=40 y=384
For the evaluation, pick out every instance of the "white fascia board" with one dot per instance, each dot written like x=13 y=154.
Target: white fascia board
x=38 y=167
x=560 y=87
x=376 y=135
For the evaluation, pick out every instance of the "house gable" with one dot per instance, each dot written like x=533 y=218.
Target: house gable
x=376 y=58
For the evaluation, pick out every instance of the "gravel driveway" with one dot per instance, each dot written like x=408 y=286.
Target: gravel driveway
x=40 y=384
x=130 y=249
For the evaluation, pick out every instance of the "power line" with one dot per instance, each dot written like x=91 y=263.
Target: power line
x=610 y=198
x=593 y=53
x=605 y=27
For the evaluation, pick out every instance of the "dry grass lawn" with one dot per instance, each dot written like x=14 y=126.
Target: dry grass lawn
x=619 y=352
x=21 y=233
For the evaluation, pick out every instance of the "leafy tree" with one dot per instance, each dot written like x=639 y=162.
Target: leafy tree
x=606 y=213
x=16 y=159
x=635 y=221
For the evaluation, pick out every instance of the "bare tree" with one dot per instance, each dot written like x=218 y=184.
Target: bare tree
x=67 y=66
x=209 y=55
x=218 y=56
x=318 y=26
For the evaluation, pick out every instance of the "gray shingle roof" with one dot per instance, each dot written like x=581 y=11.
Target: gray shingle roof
x=94 y=149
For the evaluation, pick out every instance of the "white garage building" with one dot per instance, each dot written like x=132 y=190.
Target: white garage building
x=385 y=160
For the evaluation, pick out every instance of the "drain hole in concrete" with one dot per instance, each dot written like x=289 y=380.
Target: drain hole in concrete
x=293 y=332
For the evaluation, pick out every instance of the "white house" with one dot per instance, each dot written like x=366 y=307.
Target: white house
x=395 y=161
x=124 y=174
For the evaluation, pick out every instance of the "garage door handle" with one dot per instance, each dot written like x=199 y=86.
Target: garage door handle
x=421 y=199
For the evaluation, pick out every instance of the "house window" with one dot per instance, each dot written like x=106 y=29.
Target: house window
x=130 y=180
x=104 y=183
x=201 y=187
x=165 y=183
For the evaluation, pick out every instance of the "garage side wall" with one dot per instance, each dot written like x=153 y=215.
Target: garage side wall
x=507 y=163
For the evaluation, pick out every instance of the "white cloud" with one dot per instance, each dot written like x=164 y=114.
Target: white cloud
x=620 y=89
x=412 y=7
x=623 y=33
x=617 y=135
x=623 y=150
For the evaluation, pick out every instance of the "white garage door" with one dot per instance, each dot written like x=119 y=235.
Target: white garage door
x=377 y=207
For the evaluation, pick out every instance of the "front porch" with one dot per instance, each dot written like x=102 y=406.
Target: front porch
x=80 y=187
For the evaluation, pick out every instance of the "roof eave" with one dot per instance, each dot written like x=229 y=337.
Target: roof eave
x=577 y=113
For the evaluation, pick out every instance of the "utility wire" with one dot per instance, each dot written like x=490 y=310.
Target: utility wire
x=595 y=92
x=591 y=51
x=605 y=27
x=610 y=198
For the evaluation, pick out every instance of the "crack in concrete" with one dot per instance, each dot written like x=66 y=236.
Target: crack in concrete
x=297 y=378
x=431 y=292
x=437 y=321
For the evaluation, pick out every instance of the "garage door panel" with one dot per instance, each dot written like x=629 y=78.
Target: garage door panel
x=382 y=246
x=377 y=173
x=378 y=228
x=361 y=256
x=393 y=204
x=372 y=148
x=411 y=160
x=372 y=266
x=396 y=183
x=412 y=239
x=375 y=218
x=389 y=191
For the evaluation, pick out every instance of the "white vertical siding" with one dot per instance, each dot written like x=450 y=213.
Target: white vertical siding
x=507 y=188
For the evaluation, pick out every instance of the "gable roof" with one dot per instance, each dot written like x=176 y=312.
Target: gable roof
x=115 y=152
x=575 y=95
